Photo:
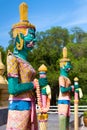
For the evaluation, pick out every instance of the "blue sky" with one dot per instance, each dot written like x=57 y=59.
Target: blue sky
x=44 y=14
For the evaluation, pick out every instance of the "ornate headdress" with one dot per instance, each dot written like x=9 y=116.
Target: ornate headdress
x=42 y=68
x=64 y=59
x=24 y=24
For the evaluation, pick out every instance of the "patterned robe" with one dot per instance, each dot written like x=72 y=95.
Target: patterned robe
x=26 y=119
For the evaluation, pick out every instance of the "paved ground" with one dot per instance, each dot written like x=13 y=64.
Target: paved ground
x=52 y=123
x=3 y=127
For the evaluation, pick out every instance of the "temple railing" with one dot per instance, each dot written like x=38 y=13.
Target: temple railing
x=54 y=109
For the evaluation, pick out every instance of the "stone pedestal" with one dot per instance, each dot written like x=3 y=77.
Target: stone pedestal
x=3 y=85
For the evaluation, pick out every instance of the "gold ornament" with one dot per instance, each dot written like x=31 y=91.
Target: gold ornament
x=24 y=24
x=43 y=116
x=64 y=59
x=20 y=45
x=23 y=12
x=76 y=79
x=42 y=68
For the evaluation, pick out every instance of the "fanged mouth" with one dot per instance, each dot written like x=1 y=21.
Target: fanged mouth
x=30 y=44
x=68 y=69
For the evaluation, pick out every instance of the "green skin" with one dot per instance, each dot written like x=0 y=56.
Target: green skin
x=64 y=71
x=43 y=82
x=29 y=41
x=63 y=120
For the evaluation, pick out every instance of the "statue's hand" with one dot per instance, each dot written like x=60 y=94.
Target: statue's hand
x=36 y=84
x=43 y=91
x=76 y=86
x=77 y=90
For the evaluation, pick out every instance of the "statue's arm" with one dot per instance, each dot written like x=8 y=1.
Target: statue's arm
x=16 y=88
x=63 y=89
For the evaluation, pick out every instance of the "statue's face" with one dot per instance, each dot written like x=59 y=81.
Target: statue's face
x=25 y=42
x=29 y=39
x=67 y=67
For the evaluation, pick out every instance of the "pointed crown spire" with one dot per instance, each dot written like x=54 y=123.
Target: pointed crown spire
x=24 y=24
x=23 y=9
x=64 y=59
x=42 y=68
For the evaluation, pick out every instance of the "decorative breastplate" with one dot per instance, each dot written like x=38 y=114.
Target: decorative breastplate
x=17 y=67
x=67 y=83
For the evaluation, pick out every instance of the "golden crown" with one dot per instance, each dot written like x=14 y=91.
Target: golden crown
x=64 y=59
x=42 y=68
x=24 y=24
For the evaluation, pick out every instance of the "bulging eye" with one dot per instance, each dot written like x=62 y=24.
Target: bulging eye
x=31 y=35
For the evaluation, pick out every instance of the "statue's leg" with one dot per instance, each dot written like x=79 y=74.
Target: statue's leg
x=67 y=123
x=19 y=116
x=64 y=113
x=18 y=120
x=68 y=117
x=62 y=122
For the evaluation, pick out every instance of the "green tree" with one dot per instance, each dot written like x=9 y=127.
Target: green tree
x=55 y=35
x=78 y=55
x=78 y=35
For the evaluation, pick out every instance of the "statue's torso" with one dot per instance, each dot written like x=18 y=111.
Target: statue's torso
x=25 y=73
x=65 y=82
